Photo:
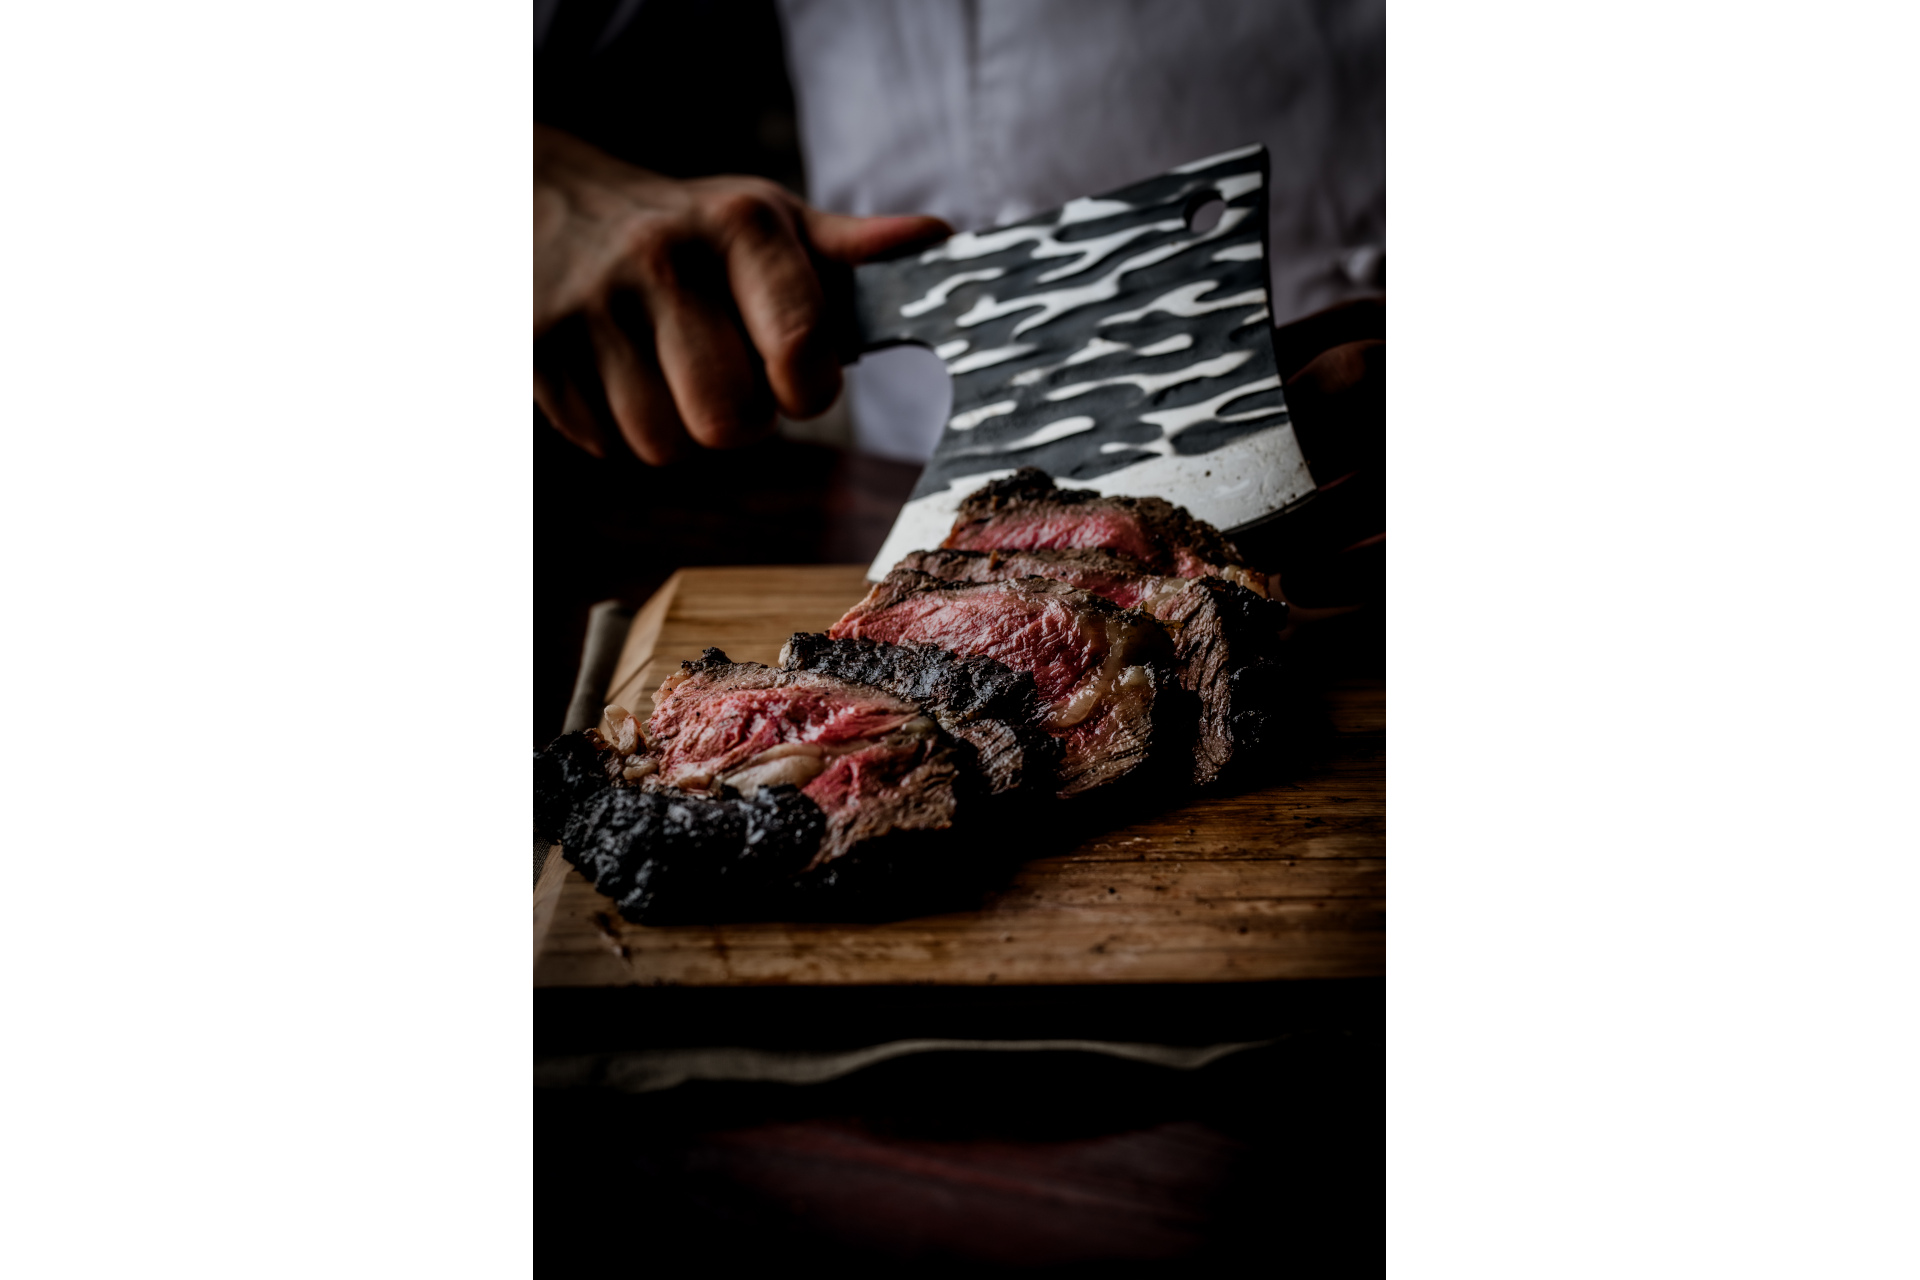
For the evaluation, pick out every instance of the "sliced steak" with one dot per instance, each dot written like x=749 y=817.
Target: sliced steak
x=1225 y=637
x=753 y=790
x=977 y=700
x=663 y=855
x=1026 y=511
x=874 y=763
x=1103 y=674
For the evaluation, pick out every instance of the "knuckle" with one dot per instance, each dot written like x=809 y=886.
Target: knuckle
x=746 y=211
x=651 y=248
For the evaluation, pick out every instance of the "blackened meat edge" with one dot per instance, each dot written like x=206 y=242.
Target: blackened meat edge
x=668 y=854
x=664 y=856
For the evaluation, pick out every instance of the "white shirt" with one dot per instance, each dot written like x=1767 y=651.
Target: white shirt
x=985 y=112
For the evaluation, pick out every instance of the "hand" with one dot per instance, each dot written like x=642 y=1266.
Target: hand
x=665 y=310
x=1331 y=554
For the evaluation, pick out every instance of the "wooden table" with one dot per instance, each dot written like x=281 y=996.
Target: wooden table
x=1284 y=881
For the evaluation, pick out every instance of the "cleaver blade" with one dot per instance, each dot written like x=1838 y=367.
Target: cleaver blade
x=1108 y=343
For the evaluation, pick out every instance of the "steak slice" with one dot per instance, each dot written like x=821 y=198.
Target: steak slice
x=663 y=855
x=977 y=700
x=1225 y=637
x=1103 y=673
x=753 y=790
x=871 y=760
x=1026 y=511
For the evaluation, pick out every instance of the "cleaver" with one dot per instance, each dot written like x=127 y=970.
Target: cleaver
x=1117 y=343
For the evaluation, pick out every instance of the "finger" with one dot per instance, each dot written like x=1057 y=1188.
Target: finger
x=845 y=238
x=564 y=385
x=637 y=393
x=779 y=299
x=568 y=415
x=716 y=382
x=1338 y=405
x=1320 y=551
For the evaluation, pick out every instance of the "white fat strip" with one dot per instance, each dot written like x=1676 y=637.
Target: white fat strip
x=1185 y=301
x=1208 y=163
x=948 y=350
x=998 y=355
x=1174 y=421
x=1060 y=301
x=1252 y=317
x=1152 y=382
x=1248 y=252
x=1178 y=342
x=1033 y=439
x=974 y=417
x=937 y=295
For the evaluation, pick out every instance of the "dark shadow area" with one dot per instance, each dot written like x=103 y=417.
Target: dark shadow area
x=618 y=529
x=685 y=89
x=1059 y=1162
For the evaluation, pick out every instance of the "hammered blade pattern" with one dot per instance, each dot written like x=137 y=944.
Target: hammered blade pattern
x=1107 y=343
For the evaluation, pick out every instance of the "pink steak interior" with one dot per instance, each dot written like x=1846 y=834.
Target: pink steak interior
x=701 y=730
x=1034 y=530
x=1036 y=634
x=1102 y=528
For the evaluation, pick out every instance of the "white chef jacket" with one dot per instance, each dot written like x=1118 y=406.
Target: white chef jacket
x=984 y=112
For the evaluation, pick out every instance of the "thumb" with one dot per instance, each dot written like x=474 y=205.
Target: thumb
x=845 y=238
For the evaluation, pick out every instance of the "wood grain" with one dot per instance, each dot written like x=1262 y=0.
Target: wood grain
x=1284 y=881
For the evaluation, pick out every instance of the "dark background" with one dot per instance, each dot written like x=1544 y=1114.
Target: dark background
x=688 y=90
x=1063 y=1162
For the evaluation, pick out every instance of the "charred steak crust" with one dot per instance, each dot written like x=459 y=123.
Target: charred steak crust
x=1226 y=640
x=1105 y=674
x=1225 y=637
x=664 y=856
x=571 y=769
x=882 y=821
x=1166 y=531
x=978 y=700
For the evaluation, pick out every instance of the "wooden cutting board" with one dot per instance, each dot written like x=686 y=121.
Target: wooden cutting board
x=1277 y=882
